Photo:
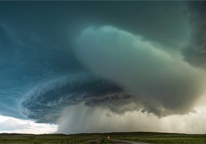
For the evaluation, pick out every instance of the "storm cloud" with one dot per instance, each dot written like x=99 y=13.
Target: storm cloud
x=77 y=62
x=45 y=102
x=142 y=68
x=195 y=52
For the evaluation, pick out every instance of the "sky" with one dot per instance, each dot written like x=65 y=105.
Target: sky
x=102 y=66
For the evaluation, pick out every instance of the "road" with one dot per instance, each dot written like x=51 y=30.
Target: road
x=125 y=142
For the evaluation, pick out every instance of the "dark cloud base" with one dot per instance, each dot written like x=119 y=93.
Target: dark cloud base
x=45 y=102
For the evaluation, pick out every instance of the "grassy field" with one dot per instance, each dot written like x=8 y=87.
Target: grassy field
x=97 y=138
x=50 y=139
x=104 y=141
x=161 y=138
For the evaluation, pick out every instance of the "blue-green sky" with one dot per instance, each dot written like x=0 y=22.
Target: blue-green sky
x=71 y=62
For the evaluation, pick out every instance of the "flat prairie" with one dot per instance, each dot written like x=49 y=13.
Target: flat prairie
x=97 y=138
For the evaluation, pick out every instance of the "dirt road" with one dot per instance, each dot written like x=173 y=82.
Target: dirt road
x=125 y=142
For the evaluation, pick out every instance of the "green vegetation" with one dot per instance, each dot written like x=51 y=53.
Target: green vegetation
x=160 y=138
x=50 y=139
x=98 y=138
x=104 y=141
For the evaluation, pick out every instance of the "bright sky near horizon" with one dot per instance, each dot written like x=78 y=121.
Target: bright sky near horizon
x=14 y=125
